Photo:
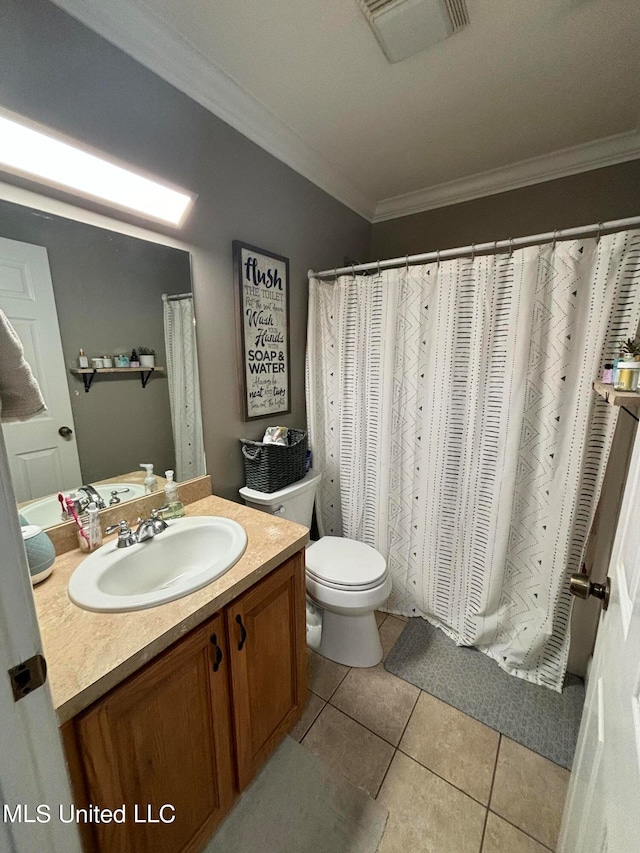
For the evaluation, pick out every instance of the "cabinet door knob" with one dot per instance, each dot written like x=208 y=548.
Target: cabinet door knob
x=65 y=432
x=243 y=632
x=218 y=660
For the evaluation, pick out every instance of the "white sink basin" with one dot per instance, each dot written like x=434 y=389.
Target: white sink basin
x=46 y=512
x=191 y=553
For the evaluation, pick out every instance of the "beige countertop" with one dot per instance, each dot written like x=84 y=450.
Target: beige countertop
x=90 y=653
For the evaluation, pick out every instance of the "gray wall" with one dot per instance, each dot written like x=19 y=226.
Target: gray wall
x=108 y=289
x=611 y=193
x=56 y=71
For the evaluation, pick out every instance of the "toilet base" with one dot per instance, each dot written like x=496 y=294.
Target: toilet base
x=351 y=640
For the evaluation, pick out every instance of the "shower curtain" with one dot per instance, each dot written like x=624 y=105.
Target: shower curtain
x=184 y=387
x=451 y=414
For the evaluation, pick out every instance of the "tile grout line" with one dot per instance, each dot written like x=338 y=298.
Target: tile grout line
x=493 y=779
x=495 y=768
x=368 y=728
x=523 y=831
x=333 y=692
x=308 y=729
x=397 y=748
x=448 y=781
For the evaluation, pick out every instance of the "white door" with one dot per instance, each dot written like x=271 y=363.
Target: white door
x=602 y=812
x=41 y=460
x=32 y=767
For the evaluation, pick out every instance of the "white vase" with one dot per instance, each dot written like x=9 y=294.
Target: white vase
x=147 y=360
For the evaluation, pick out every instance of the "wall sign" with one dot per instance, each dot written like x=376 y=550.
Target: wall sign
x=262 y=294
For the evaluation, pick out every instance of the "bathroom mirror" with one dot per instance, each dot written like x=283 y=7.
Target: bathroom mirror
x=66 y=286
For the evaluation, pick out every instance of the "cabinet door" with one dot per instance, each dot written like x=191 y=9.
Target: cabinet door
x=267 y=641
x=164 y=737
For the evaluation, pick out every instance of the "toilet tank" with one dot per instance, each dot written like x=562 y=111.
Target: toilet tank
x=294 y=502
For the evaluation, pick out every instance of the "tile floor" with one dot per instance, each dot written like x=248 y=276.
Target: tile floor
x=450 y=783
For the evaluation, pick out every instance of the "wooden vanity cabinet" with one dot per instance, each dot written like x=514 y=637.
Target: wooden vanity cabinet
x=267 y=641
x=163 y=737
x=193 y=726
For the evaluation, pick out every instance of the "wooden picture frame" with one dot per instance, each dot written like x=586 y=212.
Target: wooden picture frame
x=264 y=349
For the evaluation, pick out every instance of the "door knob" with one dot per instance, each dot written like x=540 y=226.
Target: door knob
x=65 y=432
x=582 y=587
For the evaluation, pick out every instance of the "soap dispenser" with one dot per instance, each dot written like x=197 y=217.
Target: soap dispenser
x=175 y=507
x=150 y=481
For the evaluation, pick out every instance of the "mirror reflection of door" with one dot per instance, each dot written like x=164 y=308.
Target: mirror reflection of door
x=41 y=460
x=105 y=294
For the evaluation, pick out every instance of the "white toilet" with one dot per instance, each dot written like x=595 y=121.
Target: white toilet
x=348 y=580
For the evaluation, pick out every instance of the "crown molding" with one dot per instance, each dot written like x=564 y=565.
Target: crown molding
x=150 y=41
x=558 y=164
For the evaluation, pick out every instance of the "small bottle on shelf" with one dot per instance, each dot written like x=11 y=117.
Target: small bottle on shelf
x=133 y=361
x=83 y=360
x=607 y=374
x=627 y=376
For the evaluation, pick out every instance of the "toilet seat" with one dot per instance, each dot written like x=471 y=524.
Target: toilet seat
x=344 y=564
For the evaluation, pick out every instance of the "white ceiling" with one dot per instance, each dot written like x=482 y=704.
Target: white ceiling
x=531 y=89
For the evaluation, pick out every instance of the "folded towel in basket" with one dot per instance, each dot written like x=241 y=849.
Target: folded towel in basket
x=20 y=395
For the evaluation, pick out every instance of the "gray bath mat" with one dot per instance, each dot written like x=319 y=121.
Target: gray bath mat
x=545 y=721
x=297 y=805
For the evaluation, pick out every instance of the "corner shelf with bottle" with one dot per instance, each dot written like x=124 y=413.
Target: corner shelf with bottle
x=619 y=383
x=143 y=365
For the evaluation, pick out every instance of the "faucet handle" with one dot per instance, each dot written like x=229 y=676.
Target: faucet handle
x=122 y=526
x=126 y=536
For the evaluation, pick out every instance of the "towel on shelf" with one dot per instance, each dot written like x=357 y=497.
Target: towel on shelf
x=20 y=395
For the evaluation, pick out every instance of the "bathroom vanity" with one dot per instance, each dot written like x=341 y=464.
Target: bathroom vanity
x=179 y=705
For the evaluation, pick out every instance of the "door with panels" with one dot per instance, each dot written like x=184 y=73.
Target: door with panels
x=267 y=646
x=41 y=459
x=163 y=738
x=602 y=813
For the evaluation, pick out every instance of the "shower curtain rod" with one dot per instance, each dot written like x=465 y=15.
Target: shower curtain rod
x=488 y=248
x=177 y=296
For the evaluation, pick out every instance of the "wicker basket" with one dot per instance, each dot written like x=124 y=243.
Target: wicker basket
x=271 y=467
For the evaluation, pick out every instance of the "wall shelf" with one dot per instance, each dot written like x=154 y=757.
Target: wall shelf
x=89 y=373
x=629 y=401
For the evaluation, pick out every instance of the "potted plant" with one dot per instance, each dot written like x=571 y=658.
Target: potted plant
x=147 y=357
x=630 y=349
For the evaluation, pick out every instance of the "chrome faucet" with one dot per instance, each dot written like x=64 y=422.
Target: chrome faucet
x=93 y=496
x=147 y=529
x=150 y=527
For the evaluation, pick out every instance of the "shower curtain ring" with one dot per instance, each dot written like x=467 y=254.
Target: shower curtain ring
x=555 y=238
x=510 y=246
x=599 y=232
x=406 y=261
x=473 y=252
x=353 y=272
x=379 y=273
x=438 y=258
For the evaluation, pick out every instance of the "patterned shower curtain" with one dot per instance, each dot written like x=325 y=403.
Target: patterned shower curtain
x=184 y=387
x=451 y=413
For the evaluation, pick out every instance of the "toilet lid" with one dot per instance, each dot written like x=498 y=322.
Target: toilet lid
x=345 y=563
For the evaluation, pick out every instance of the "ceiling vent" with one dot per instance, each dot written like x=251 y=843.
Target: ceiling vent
x=405 y=27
